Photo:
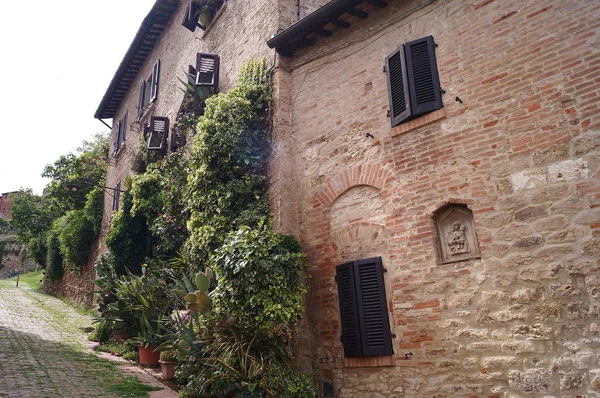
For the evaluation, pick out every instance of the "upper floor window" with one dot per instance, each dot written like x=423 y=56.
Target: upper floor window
x=200 y=13
x=121 y=133
x=149 y=89
x=413 y=81
x=363 y=308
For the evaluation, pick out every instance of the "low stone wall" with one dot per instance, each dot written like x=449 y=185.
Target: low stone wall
x=77 y=286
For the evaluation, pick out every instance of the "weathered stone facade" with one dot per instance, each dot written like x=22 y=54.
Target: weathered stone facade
x=517 y=142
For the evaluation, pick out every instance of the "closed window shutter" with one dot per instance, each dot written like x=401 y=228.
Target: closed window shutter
x=159 y=127
x=207 y=70
x=124 y=127
x=372 y=307
x=398 y=93
x=141 y=99
x=348 y=310
x=116 y=196
x=118 y=137
x=154 y=84
x=421 y=66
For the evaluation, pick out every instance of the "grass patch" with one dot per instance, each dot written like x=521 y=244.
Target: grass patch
x=125 y=350
x=108 y=376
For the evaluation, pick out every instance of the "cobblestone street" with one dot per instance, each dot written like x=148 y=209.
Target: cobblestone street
x=43 y=352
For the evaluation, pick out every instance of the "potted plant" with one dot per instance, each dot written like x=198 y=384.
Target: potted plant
x=144 y=300
x=168 y=360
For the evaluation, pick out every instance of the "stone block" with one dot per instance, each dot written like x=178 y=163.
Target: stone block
x=551 y=154
x=530 y=213
x=573 y=169
x=494 y=362
x=551 y=223
x=592 y=284
x=577 y=310
x=531 y=381
x=525 y=295
x=590 y=247
x=528 y=179
x=567 y=235
x=528 y=242
x=586 y=143
x=572 y=381
x=548 y=312
x=496 y=219
x=587 y=217
x=586 y=359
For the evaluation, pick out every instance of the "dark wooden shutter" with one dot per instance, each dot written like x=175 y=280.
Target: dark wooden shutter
x=118 y=137
x=154 y=84
x=192 y=13
x=207 y=70
x=399 y=96
x=421 y=66
x=348 y=310
x=124 y=127
x=141 y=100
x=191 y=75
x=372 y=307
x=116 y=196
x=159 y=128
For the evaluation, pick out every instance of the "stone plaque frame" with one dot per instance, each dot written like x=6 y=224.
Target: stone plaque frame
x=457 y=238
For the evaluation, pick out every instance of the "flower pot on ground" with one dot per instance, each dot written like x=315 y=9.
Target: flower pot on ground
x=147 y=356
x=168 y=360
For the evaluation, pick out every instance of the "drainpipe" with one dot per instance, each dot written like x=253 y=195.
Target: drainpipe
x=104 y=123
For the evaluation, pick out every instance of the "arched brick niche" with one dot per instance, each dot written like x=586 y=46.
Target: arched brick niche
x=456 y=235
x=356 y=220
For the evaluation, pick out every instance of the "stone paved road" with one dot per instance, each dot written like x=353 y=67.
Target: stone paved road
x=42 y=351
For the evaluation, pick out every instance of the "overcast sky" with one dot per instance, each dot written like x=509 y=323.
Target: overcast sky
x=57 y=59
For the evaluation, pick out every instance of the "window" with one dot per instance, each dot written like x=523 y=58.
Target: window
x=159 y=129
x=121 y=134
x=200 y=13
x=363 y=308
x=149 y=90
x=116 y=196
x=207 y=70
x=413 y=81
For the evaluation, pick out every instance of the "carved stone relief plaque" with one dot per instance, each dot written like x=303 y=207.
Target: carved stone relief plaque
x=456 y=234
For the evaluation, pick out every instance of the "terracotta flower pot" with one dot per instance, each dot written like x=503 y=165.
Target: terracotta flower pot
x=168 y=369
x=147 y=355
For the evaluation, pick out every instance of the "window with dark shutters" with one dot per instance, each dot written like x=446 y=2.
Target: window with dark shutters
x=191 y=16
x=141 y=99
x=159 y=128
x=413 y=81
x=117 y=144
x=154 y=84
x=207 y=70
x=363 y=308
x=124 y=127
x=116 y=196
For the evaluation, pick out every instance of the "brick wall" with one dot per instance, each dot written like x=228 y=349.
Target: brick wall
x=521 y=149
x=5 y=203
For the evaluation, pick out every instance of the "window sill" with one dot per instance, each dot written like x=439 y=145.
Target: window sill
x=369 y=362
x=419 y=122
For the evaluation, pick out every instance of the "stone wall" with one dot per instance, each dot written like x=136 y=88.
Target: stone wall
x=15 y=257
x=517 y=142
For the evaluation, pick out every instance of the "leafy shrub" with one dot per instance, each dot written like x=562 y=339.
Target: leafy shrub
x=259 y=274
x=128 y=239
x=101 y=332
x=94 y=209
x=54 y=260
x=227 y=184
x=75 y=234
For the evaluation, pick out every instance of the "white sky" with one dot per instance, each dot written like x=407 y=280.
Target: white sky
x=56 y=61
